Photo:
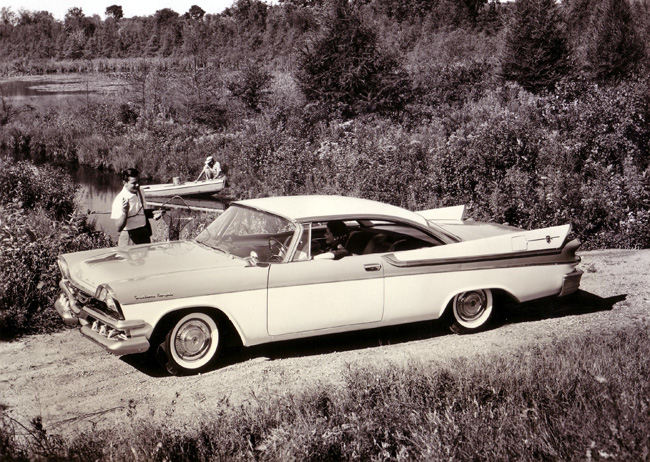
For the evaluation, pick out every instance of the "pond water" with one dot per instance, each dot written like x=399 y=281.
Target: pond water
x=98 y=190
x=58 y=86
x=96 y=193
x=27 y=88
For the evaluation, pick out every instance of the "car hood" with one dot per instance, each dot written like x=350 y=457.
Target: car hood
x=470 y=230
x=132 y=264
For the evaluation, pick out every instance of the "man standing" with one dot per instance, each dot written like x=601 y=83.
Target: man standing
x=129 y=211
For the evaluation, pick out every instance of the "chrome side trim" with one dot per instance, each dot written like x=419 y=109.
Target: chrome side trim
x=541 y=257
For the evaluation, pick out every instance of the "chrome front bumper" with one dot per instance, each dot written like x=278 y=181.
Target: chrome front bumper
x=112 y=334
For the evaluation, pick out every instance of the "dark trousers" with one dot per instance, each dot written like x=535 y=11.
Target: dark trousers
x=134 y=236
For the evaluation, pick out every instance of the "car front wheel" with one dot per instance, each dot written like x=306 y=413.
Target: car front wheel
x=471 y=311
x=192 y=344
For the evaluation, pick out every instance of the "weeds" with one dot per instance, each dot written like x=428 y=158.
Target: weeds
x=575 y=399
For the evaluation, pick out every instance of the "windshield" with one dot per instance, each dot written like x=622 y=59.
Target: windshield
x=240 y=231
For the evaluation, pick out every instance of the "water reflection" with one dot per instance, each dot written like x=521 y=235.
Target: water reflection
x=60 y=86
x=96 y=193
x=27 y=88
x=98 y=190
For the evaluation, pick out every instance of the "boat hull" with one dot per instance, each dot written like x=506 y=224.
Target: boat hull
x=187 y=188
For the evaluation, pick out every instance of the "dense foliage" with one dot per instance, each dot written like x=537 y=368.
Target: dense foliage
x=581 y=399
x=37 y=223
x=422 y=105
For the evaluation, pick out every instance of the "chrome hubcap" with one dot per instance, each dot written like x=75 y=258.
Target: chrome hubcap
x=471 y=305
x=192 y=340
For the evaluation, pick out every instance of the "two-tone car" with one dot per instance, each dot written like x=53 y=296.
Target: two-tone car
x=251 y=276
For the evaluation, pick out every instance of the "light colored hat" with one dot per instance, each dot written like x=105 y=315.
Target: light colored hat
x=209 y=159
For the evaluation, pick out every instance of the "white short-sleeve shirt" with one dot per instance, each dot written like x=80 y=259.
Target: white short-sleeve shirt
x=135 y=216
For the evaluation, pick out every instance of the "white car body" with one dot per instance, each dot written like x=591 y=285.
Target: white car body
x=293 y=295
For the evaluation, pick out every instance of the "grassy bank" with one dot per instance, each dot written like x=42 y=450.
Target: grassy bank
x=586 y=398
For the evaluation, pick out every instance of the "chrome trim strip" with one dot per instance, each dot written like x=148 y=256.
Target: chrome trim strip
x=542 y=256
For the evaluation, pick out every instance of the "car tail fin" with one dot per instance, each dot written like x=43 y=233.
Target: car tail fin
x=455 y=213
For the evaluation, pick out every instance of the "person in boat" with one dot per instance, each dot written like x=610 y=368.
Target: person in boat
x=130 y=213
x=211 y=169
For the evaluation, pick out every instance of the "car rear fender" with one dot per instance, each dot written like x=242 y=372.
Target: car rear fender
x=524 y=244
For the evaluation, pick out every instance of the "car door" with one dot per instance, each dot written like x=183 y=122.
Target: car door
x=312 y=295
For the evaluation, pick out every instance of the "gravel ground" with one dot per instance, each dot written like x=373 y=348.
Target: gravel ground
x=74 y=384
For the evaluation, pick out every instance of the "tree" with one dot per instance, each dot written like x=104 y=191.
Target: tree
x=612 y=47
x=196 y=13
x=345 y=67
x=474 y=7
x=251 y=85
x=535 y=46
x=115 y=12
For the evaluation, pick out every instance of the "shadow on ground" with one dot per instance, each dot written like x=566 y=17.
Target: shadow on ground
x=579 y=303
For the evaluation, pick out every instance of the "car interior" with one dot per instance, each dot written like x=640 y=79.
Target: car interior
x=369 y=237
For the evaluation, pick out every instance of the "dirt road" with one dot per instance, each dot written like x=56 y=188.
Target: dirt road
x=74 y=384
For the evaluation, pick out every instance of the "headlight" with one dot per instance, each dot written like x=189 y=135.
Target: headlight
x=63 y=267
x=105 y=295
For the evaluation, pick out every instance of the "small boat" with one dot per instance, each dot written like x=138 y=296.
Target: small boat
x=186 y=188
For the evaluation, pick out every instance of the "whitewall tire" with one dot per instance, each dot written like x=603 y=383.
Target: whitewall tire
x=192 y=344
x=472 y=310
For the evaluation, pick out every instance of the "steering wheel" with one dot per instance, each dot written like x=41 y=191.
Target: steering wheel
x=277 y=248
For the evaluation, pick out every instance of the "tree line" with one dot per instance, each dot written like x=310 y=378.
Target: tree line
x=536 y=42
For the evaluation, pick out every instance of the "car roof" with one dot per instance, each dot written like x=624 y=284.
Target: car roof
x=326 y=207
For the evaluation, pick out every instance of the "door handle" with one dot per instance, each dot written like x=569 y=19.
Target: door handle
x=372 y=267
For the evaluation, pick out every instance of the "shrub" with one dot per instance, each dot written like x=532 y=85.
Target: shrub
x=34 y=230
x=29 y=187
x=252 y=85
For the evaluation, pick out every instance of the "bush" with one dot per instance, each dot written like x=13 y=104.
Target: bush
x=251 y=85
x=29 y=188
x=34 y=230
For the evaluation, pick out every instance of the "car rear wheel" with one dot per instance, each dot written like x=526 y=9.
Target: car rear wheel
x=471 y=311
x=192 y=344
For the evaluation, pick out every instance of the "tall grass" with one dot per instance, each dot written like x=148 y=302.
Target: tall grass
x=586 y=398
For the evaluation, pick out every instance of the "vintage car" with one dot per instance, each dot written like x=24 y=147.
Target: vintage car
x=251 y=275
